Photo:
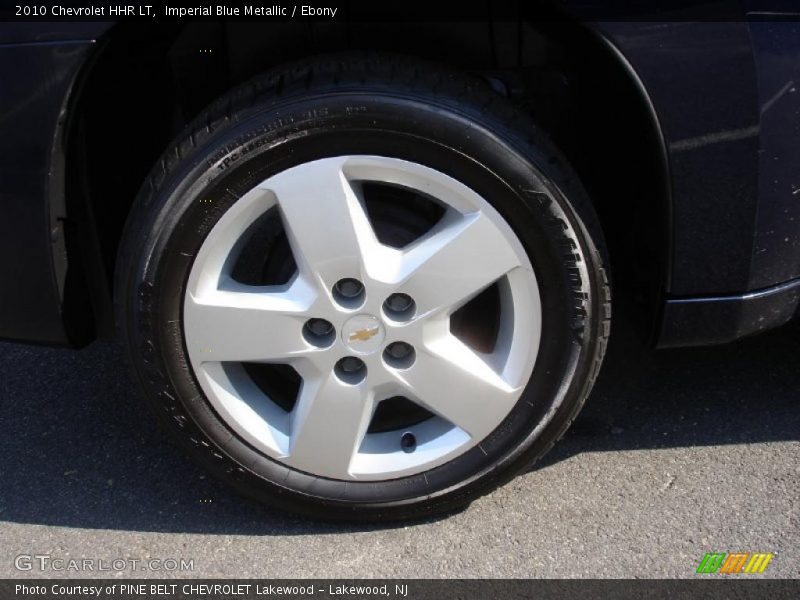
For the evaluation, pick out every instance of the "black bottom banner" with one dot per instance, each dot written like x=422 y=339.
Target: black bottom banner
x=494 y=589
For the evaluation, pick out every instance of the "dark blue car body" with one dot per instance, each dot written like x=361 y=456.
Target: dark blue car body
x=723 y=102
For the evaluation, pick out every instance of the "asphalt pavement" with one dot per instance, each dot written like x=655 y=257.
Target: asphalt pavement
x=676 y=454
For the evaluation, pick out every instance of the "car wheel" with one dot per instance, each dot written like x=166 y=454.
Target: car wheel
x=363 y=287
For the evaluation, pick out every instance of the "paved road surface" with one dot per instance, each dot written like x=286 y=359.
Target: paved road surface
x=677 y=453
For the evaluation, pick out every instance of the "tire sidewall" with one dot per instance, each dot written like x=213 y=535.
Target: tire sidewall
x=524 y=181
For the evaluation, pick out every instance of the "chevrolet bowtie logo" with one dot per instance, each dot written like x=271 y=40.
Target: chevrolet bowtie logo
x=362 y=335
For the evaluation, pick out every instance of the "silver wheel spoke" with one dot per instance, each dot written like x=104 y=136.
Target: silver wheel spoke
x=246 y=326
x=461 y=259
x=451 y=380
x=328 y=425
x=326 y=224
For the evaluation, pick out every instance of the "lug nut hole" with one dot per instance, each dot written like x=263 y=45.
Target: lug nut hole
x=351 y=370
x=399 y=355
x=319 y=333
x=349 y=292
x=399 y=307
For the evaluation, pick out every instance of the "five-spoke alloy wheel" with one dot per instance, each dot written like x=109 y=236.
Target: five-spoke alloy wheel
x=344 y=323
x=363 y=288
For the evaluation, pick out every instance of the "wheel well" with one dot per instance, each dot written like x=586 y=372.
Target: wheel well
x=144 y=83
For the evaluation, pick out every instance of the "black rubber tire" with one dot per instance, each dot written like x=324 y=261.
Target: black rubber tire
x=365 y=104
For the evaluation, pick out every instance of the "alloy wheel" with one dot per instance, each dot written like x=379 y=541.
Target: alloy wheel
x=361 y=323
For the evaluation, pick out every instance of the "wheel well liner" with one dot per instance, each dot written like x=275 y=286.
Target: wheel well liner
x=143 y=84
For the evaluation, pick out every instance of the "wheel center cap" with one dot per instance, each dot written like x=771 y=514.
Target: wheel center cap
x=363 y=334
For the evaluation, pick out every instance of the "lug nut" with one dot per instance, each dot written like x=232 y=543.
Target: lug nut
x=399 y=350
x=319 y=332
x=350 y=364
x=399 y=306
x=399 y=355
x=350 y=369
x=399 y=302
x=349 y=293
x=319 y=327
x=349 y=288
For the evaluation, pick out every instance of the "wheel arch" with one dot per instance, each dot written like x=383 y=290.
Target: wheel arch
x=569 y=74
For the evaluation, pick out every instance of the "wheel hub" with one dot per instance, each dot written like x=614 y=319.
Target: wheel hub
x=363 y=334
